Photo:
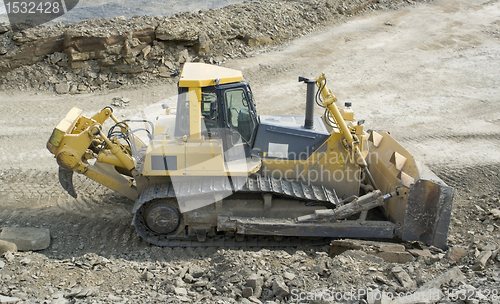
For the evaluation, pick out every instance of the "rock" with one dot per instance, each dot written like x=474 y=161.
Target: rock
x=254 y=300
x=77 y=64
x=289 y=276
x=85 y=292
x=2 y=264
x=73 y=292
x=456 y=253
x=171 y=67
x=176 y=33
x=203 y=45
x=4 y=28
x=148 y=276
x=255 y=281
x=495 y=213
x=258 y=41
x=184 y=299
x=404 y=278
x=7 y=246
x=389 y=252
x=183 y=56
x=196 y=271
x=363 y=256
x=247 y=292
x=480 y=209
x=320 y=268
x=79 y=56
x=114 y=298
x=27 y=239
x=453 y=275
x=482 y=259
x=146 y=50
x=121 y=102
x=5 y=299
x=58 y=295
x=181 y=291
x=9 y=256
x=62 y=88
x=420 y=253
x=396 y=257
x=81 y=87
x=201 y=283
x=279 y=288
x=113 y=85
x=56 y=57
x=127 y=68
x=397 y=269
x=163 y=72
x=188 y=278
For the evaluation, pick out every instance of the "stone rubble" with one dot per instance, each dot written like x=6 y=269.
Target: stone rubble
x=27 y=239
x=105 y=54
x=419 y=273
x=255 y=275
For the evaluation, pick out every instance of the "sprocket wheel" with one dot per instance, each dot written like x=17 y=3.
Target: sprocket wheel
x=160 y=217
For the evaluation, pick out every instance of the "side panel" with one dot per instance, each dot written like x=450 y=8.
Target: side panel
x=284 y=137
x=329 y=166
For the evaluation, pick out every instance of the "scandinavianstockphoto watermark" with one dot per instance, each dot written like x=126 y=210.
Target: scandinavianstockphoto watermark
x=425 y=296
x=332 y=295
x=29 y=13
x=319 y=167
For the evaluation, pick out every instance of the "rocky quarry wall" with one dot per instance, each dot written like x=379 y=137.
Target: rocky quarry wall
x=107 y=53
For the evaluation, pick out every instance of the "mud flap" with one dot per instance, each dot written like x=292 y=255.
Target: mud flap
x=428 y=213
x=66 y=181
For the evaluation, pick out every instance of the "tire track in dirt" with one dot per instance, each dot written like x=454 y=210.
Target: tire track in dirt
x=97 y=221
x=454 y=150
x=454 y=137
x=469 y=180
x=100 y=222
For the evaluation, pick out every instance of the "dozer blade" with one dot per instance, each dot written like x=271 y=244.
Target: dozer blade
x=428 y=213
x=66 y=180
x=423 y=209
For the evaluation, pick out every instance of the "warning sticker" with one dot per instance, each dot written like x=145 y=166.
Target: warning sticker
x=277 y=150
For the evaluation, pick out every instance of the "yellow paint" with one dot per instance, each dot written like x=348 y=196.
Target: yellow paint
x=194 y=113
x=198 y=75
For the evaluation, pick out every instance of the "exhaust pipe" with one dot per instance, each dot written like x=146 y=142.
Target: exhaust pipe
x=311 y=88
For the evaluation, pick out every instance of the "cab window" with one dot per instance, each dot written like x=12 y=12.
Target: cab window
x=208 y=100
x=238 y=113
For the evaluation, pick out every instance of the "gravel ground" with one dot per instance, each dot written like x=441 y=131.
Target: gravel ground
x=426 y=72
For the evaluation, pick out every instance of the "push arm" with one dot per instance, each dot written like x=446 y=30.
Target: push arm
x=329 y=100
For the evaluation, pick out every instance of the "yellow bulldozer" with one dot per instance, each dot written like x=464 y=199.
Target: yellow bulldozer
x=213 y=172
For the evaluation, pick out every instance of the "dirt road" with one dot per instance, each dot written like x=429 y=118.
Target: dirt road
x=429 y=74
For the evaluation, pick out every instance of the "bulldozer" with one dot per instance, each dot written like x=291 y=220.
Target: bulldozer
x=211 y=172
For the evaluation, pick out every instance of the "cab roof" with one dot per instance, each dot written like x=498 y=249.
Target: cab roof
x=197 y=75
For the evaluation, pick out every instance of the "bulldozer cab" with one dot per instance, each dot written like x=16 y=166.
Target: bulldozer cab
x=214 y=107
